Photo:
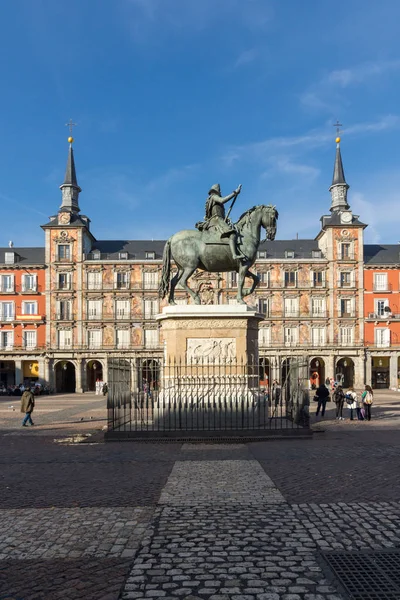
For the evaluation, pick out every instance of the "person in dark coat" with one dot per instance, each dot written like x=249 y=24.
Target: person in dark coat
x=338 y=396
x=322 y=395
x=27 y=406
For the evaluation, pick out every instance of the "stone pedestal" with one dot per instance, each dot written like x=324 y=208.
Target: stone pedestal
x=220 y=334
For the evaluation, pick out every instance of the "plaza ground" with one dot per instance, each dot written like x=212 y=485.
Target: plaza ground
x=98 y=521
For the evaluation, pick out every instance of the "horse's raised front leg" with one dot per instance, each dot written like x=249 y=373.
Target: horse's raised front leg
x=256 y=281
x=188 y=272
x=174 y=283
x=242 y=275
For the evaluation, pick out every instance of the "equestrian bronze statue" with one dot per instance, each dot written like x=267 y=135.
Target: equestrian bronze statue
x=218 y=245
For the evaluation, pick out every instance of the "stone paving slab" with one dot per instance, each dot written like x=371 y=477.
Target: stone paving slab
x=243 y=553
x=91 y=579
x=219 y=482
x=72 y=533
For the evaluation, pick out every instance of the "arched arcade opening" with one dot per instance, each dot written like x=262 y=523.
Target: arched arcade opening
x=94 y=373
x=345 y=372
x=317 y=372
x=65 y=377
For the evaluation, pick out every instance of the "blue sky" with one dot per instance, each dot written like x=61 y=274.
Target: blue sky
x=171 y=96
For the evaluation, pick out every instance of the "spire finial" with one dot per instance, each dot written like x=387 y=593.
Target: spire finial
x=338 y=126
x=70 y=126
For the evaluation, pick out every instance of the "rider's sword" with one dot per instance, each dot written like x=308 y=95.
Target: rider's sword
x=233 y=203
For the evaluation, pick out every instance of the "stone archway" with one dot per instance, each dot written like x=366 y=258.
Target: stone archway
x=345 y=372
x=94 y=372
x=150 y=374
x=65 y=376
x=265 y=373
x=317 y=372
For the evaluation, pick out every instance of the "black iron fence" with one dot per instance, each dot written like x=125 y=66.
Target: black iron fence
x=205 y=399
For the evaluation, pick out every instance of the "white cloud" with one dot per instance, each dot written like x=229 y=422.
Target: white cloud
x=194 y=15
x=285 y=147
x=325 y=95
x=246 y=57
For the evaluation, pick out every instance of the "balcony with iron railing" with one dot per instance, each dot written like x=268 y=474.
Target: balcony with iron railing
x=386 y=316
x=381 y=287
x=64 y=286
x=135 y=285
x=7 y=289
x=291 y=314
x=65 y=316
x=7 y=317
x=29 y=289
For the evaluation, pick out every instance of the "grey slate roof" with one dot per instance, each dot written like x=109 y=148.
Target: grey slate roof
x=77 y=220
x=301 y=248
x=24 y=256
x=379 y=254
x=70 y=173
x=136 y=248
x=334 y=219
x=338 y=172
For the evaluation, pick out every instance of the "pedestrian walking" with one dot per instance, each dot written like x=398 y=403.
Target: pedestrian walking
x=105 y=389
x=338 y=397
x=367 y=399
x=27 y=406
x=322 y=395
x=276 y=393
x=360 y=409
x=351 y=400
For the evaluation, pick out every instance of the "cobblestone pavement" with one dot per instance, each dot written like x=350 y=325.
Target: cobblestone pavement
x=195 y=521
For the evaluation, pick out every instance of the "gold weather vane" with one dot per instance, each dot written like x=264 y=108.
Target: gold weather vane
x=70 y=125
x=338 y=126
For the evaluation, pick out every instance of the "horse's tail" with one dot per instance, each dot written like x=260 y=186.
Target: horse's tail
x=166 y=270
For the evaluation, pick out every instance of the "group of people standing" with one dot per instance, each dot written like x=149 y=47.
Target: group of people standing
x=359 y=407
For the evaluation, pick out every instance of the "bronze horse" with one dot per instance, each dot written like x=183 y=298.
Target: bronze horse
x=191 y=250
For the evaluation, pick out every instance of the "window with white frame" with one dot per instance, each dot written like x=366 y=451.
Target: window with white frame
x=263 y=306
x=346 y=251
x=262 y=254
x=346 y=307
x=64 y=338
x=6 y=283
x=29 y=308
x=232 y=279
x=347 y=336
x=122 y=338
x=316 y=254
x=123 y=255
x=150 y=280
x=264 y=336
x=29 y=339
x=6 y=340
x=150 y=255
x=64 y=252
x=94 y=338
x=9 y=258
x=318 y=278
x=318 y=307
x=380 y=282
x=29 y=283
x=291 y=307
x=94 y=309
x=382 y=337
x=289 y=253
x=122 y=280
x=346 y=279
x=150 y=309
x=380 y=306
x=151 y=338
x=7 y=311
x=264 y=277
x=290 y=278
x=122 y=309
x=291 y=336
x=94 y=280
x=64 y=310
x=64 y=281
x=318 y=336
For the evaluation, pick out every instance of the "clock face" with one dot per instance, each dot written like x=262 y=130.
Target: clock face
x=347 y=217
x=64 y=218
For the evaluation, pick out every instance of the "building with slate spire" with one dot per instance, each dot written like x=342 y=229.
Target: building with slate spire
x=331 y=300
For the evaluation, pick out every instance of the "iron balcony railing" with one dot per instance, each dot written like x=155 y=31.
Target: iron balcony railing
x=135 y=285
x=382 y=287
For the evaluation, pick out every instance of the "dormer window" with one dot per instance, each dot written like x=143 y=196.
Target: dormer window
x=150 y=255
x=289 y=253
x=123 y=255
x=316 y=254
x=96 y=255
x=262 y=254
x=9 y=258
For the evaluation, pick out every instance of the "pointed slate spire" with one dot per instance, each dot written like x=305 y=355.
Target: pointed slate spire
x=339 y=186
x=70 y=188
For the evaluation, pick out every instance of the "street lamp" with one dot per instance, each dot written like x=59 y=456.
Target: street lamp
x=345 y=363
x=317 y=363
